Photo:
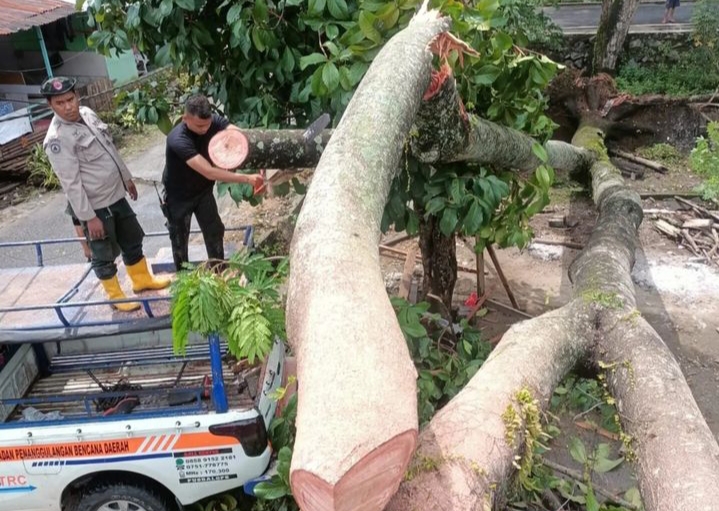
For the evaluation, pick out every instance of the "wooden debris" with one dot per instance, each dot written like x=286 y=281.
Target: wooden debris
x=505 y=283
x=601 y=431
x=668 y=195
x=405 y=284
x=704 y=224
x=563 y=222
x=568 y=244
x=695 y=228
x=657 y=167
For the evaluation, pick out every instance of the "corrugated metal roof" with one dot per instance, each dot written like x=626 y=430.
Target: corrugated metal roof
x=17 y=15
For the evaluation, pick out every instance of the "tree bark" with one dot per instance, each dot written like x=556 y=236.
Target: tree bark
x=612 y=31
x=439 y=260
x=442 y=134
x=354 y=437
x=271 y=149
x=468 y=449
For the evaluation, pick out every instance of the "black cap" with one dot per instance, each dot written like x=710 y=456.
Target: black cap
x=57 y=85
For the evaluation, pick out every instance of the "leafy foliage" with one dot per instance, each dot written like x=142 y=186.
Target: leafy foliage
x=704 y=161
x=664 y=153
x=688 y=76
x=282 y=62
x=443 y=370
x=242 y=303
x=40 y=168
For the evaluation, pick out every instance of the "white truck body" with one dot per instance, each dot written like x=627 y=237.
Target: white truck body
x=38 y=464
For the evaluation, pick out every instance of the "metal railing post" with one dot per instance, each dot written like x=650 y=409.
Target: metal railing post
x=38 y=253
x=219 y=396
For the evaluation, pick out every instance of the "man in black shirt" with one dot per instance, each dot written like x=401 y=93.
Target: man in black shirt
x=189 y=178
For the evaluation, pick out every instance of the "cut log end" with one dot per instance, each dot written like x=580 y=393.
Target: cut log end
x=228 y=149
x=367 y=486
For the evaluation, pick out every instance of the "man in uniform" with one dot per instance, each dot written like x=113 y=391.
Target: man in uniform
x=189 y=178
x=95 y=181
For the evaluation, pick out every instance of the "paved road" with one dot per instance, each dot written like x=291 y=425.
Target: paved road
x=587 y=15
x=44 y=218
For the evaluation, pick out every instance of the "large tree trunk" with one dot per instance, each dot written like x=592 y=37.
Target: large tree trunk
x=612 y=31
x=357 y=409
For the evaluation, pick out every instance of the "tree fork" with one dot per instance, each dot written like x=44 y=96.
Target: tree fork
x=468 y=449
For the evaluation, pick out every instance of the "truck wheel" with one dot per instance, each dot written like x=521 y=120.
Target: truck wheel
x=123 y=497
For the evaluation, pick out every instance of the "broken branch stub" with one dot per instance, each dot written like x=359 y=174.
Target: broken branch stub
x=273 y=149
x=357 y=406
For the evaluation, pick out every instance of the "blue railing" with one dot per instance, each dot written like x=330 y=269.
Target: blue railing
x=64 y=301
x=38 y=244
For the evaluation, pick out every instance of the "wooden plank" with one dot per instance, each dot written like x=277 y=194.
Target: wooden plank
x=405 y=284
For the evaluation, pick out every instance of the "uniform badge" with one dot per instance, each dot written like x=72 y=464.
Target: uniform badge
x=55 y=147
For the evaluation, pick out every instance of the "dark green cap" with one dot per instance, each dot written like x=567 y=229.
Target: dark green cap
x=57 y=85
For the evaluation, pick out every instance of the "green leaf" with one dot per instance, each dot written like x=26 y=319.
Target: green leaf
x=271 y=490
x=314 y=58
x=357 y=71
x=540 y=152
x=473 y=220
x=486 y=75
x=331 y=31
x=577 y=450
x=133 y=16
x=338 y=9
x=435 y=205
x=164 y=123
x=188 y=5
x=257 y=40
x=502 y=41
x=448 y=221
x=165 y=8
x=366 y=24
x=592 y=504
x=233 y=14
x=260 y=12
x=543 y=177
x=330 y=76
x=316 y=7
x=603 y=465
x=288 y=60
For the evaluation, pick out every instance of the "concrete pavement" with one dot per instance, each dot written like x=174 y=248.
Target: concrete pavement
x=585 y=17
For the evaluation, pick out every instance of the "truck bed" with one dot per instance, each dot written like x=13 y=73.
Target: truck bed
x=158 y=379
x=71 y=393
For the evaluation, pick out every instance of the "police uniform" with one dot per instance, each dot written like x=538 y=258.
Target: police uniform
x=93 y=177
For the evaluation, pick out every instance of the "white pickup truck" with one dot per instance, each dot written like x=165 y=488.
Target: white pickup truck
x=159 y=456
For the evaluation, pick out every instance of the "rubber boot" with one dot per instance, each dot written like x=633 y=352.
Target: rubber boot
x=142 y=279
x=114 y=292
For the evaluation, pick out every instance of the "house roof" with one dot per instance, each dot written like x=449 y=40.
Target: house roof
x=20 y=15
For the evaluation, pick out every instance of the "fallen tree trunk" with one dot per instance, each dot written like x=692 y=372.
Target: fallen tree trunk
x=272 y=149
x=354 y=437
x=469 y=448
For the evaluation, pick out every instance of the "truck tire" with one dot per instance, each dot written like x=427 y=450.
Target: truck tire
x=123 y=497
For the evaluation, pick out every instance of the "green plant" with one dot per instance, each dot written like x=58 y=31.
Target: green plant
x=242 y=303
x=224 y=502
x=684 y=78
x=704 y=160
x=582 y=396
x=40 y=168
x=444 y=366
x=286 y=61
x=664 y=153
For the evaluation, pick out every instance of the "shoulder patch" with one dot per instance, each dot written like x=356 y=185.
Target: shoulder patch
x=54 y=146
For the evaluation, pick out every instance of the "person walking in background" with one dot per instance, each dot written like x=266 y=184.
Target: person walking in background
x=95 y=181
x=189 y=177
x=669 y=11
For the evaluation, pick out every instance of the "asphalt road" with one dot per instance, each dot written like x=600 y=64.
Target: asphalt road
x=44 y=218
x=587 y=15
